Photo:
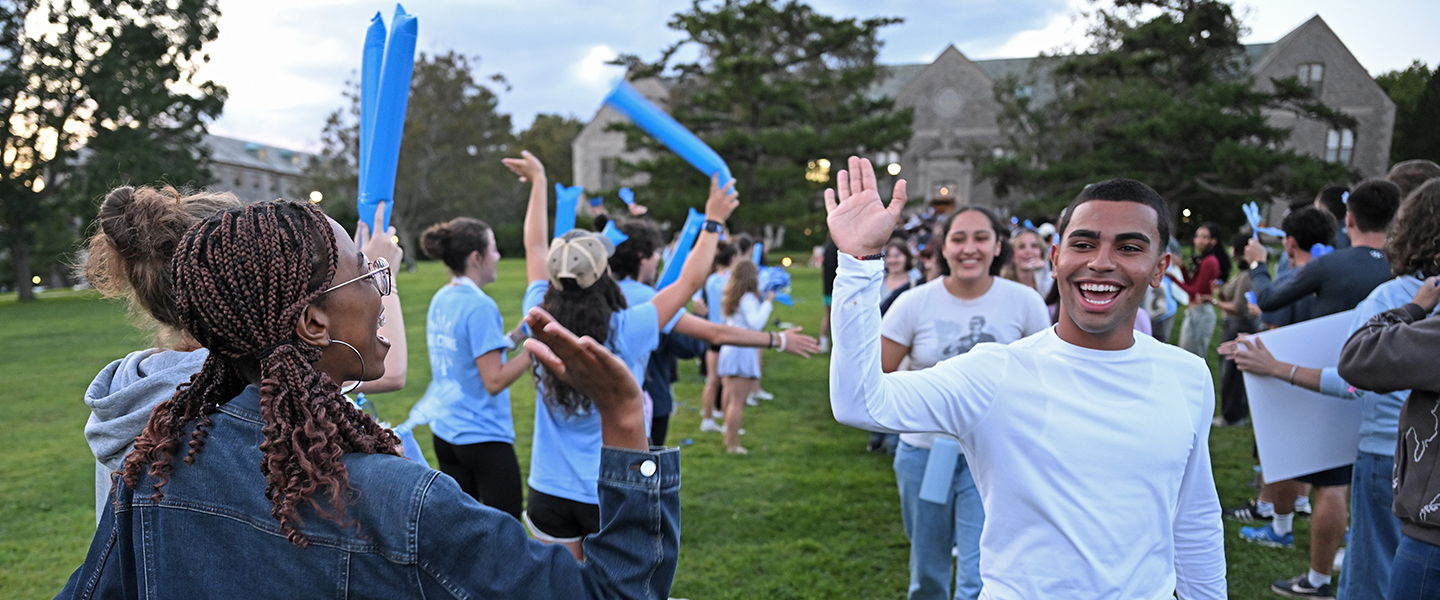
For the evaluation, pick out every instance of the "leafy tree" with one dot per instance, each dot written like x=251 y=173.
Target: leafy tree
x=119 y=74
x=449 y=158
x=1166 y=100
x=549 y=138
x=1416 y=92
x=776 y=86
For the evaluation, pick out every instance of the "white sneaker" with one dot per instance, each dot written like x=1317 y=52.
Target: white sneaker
x=711 y=426
x=764 y=395
x=750 y=400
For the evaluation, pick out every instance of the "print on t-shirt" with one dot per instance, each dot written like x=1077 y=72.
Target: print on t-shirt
x=965 y=337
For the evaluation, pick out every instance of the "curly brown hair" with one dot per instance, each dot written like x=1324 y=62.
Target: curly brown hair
x=1415 y=236
x=242 y=279
x=137 y=231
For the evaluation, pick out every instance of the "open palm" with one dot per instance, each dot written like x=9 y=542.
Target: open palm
x=859 y=221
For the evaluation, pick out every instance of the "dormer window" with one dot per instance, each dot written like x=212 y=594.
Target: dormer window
x=1311 y=75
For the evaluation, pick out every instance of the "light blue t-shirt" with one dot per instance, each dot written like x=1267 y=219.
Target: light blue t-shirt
x=462 y=325
x=637 y=293
x=1380 y=413
x=565 y=458
x=714 y=294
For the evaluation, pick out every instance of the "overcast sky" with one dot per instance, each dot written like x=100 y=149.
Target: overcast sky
x=285 y=62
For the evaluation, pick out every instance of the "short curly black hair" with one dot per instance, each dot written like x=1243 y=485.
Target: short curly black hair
x=643 y=239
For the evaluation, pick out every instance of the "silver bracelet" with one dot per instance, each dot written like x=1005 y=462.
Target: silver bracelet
x=1293 y=369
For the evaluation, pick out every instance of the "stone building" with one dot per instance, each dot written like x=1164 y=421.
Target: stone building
x=955 y=110
x=256 y=172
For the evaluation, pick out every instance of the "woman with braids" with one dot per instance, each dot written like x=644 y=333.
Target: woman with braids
x=475 y=438
x=570 y=279
x=137 y=231
x=259 y=460
x=1210 y=265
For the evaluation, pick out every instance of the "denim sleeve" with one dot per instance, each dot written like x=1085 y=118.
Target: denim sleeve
x=469 y=550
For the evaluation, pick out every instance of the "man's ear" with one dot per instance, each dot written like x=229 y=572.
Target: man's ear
x=313 y=326
x=1159 y=276
x=1054 y=258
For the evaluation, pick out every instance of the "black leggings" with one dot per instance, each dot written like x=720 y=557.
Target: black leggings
x=488 y=472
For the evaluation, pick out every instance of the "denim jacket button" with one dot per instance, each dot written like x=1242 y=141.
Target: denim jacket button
x=647 y=468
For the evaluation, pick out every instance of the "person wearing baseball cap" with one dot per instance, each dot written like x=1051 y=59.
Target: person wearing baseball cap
x=569 y=279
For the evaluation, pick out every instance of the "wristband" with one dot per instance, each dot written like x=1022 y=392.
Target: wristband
x=772 y=339
x=712 y=226
x=782 y=342
x=876 y=256
x=1293 y=369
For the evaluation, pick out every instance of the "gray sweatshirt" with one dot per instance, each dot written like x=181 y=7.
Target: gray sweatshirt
x=1396 y=350
x=120 y=399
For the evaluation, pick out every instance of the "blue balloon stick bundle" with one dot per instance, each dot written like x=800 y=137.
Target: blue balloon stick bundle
x=688 y=233
x=566 y=199
x=665 y=129
x=385 y=125
x=372 y=58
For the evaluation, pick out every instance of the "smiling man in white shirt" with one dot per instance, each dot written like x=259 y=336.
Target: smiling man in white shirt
x=1088 y=443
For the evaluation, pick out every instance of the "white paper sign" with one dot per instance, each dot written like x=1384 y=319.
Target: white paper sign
x=1297 y=431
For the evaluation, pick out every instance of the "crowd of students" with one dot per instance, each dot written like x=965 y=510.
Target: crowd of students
x=1051 y=443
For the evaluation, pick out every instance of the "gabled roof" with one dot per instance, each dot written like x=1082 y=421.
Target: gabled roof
x=253 y=155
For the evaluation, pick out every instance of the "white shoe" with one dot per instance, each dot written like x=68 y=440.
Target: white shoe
x=764 y=395
x=750 y=400
x=711 y=426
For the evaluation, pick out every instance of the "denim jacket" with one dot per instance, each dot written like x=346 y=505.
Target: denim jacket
x=417 y=534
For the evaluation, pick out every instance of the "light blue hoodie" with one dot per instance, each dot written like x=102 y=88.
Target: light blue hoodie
x=120 y=399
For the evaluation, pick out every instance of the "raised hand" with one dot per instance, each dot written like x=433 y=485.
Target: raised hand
x=859 y=221
x=527 y=167
x=595 y=372
x=1256 y=251
x=379 y=246
x=1429 y=295
x=722 y=200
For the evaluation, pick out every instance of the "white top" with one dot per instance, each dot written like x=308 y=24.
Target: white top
x=751 y=314
x=1093 y=466
x=936 y=325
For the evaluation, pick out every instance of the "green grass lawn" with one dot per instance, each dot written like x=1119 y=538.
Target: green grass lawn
x=808 y=514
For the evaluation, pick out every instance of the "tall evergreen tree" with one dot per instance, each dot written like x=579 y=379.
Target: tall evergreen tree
x=776 y=86
x=118 y=74
x=1416 y=92
x=1167 y=100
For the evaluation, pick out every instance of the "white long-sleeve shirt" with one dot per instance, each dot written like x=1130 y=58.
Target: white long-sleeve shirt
x=751 y=314
x=1093 y=466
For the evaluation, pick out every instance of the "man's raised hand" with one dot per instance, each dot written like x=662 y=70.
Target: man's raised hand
x=859 y=221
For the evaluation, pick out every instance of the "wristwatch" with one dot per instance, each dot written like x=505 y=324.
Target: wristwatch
x=712 y=226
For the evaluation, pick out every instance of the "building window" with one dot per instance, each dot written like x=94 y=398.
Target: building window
x=1311 y=74
x=1340 y=146
x=609 y=175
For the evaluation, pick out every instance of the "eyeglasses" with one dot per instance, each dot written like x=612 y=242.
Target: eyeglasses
x=379 y=275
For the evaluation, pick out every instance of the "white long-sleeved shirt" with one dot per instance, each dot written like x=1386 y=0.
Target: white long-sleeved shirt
x=751 y=314
x=1093 y=466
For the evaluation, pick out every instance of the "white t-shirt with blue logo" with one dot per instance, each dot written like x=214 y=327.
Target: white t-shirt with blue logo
x=464 y=324
x=565 y=458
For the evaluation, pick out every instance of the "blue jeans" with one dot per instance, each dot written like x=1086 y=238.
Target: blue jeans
x=934 y=529
x=1374 y=529
x=1416 y=573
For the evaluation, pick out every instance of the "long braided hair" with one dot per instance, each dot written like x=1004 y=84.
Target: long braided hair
x=241 y=280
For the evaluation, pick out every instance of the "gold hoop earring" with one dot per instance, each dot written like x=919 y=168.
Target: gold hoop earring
x=352 y=387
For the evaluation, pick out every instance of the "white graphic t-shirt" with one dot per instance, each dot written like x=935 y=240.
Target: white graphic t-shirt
x=936 y=325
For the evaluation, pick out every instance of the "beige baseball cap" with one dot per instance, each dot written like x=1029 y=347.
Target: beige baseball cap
x=580 y=255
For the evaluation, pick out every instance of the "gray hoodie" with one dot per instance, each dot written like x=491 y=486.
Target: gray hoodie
x=120 y=401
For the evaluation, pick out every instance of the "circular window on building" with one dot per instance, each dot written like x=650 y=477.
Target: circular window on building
x=948 y=102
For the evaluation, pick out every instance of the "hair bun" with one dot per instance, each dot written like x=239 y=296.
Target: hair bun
x=435 y=240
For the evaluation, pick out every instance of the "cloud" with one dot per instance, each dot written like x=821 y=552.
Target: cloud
x=593 y=70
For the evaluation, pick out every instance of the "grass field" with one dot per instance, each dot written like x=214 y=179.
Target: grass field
x=808 y=514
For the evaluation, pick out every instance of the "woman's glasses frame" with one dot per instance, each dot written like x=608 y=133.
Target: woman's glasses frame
x=384 y=283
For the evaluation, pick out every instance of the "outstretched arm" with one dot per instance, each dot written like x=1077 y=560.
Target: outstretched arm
x=726 y=335
x=537 y=243
x=718 y=207
x=1199 y=534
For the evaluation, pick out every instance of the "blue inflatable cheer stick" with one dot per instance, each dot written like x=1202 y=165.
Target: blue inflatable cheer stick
x=688 y=233
x=565 y=201
x=627 y=196
x=667 y=130
x=757 y=254
x=372 y=56
x=391 y=100
x=616 y=236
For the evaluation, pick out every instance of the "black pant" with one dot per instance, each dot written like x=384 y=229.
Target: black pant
x=1234 y=404
x=659 y=426
x=488 y=472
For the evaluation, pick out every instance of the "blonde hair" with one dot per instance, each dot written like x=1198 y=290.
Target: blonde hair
x=744 y=279
x=129 y=255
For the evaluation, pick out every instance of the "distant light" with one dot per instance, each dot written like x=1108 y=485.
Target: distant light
x=893 y=169
x=39 y=185
x=1185 y=212
x=824 y=163
x=807 y=231
x=395 y=239
x=35 y=280
x=944 y=191
x=785 y=262
x=316 y=196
